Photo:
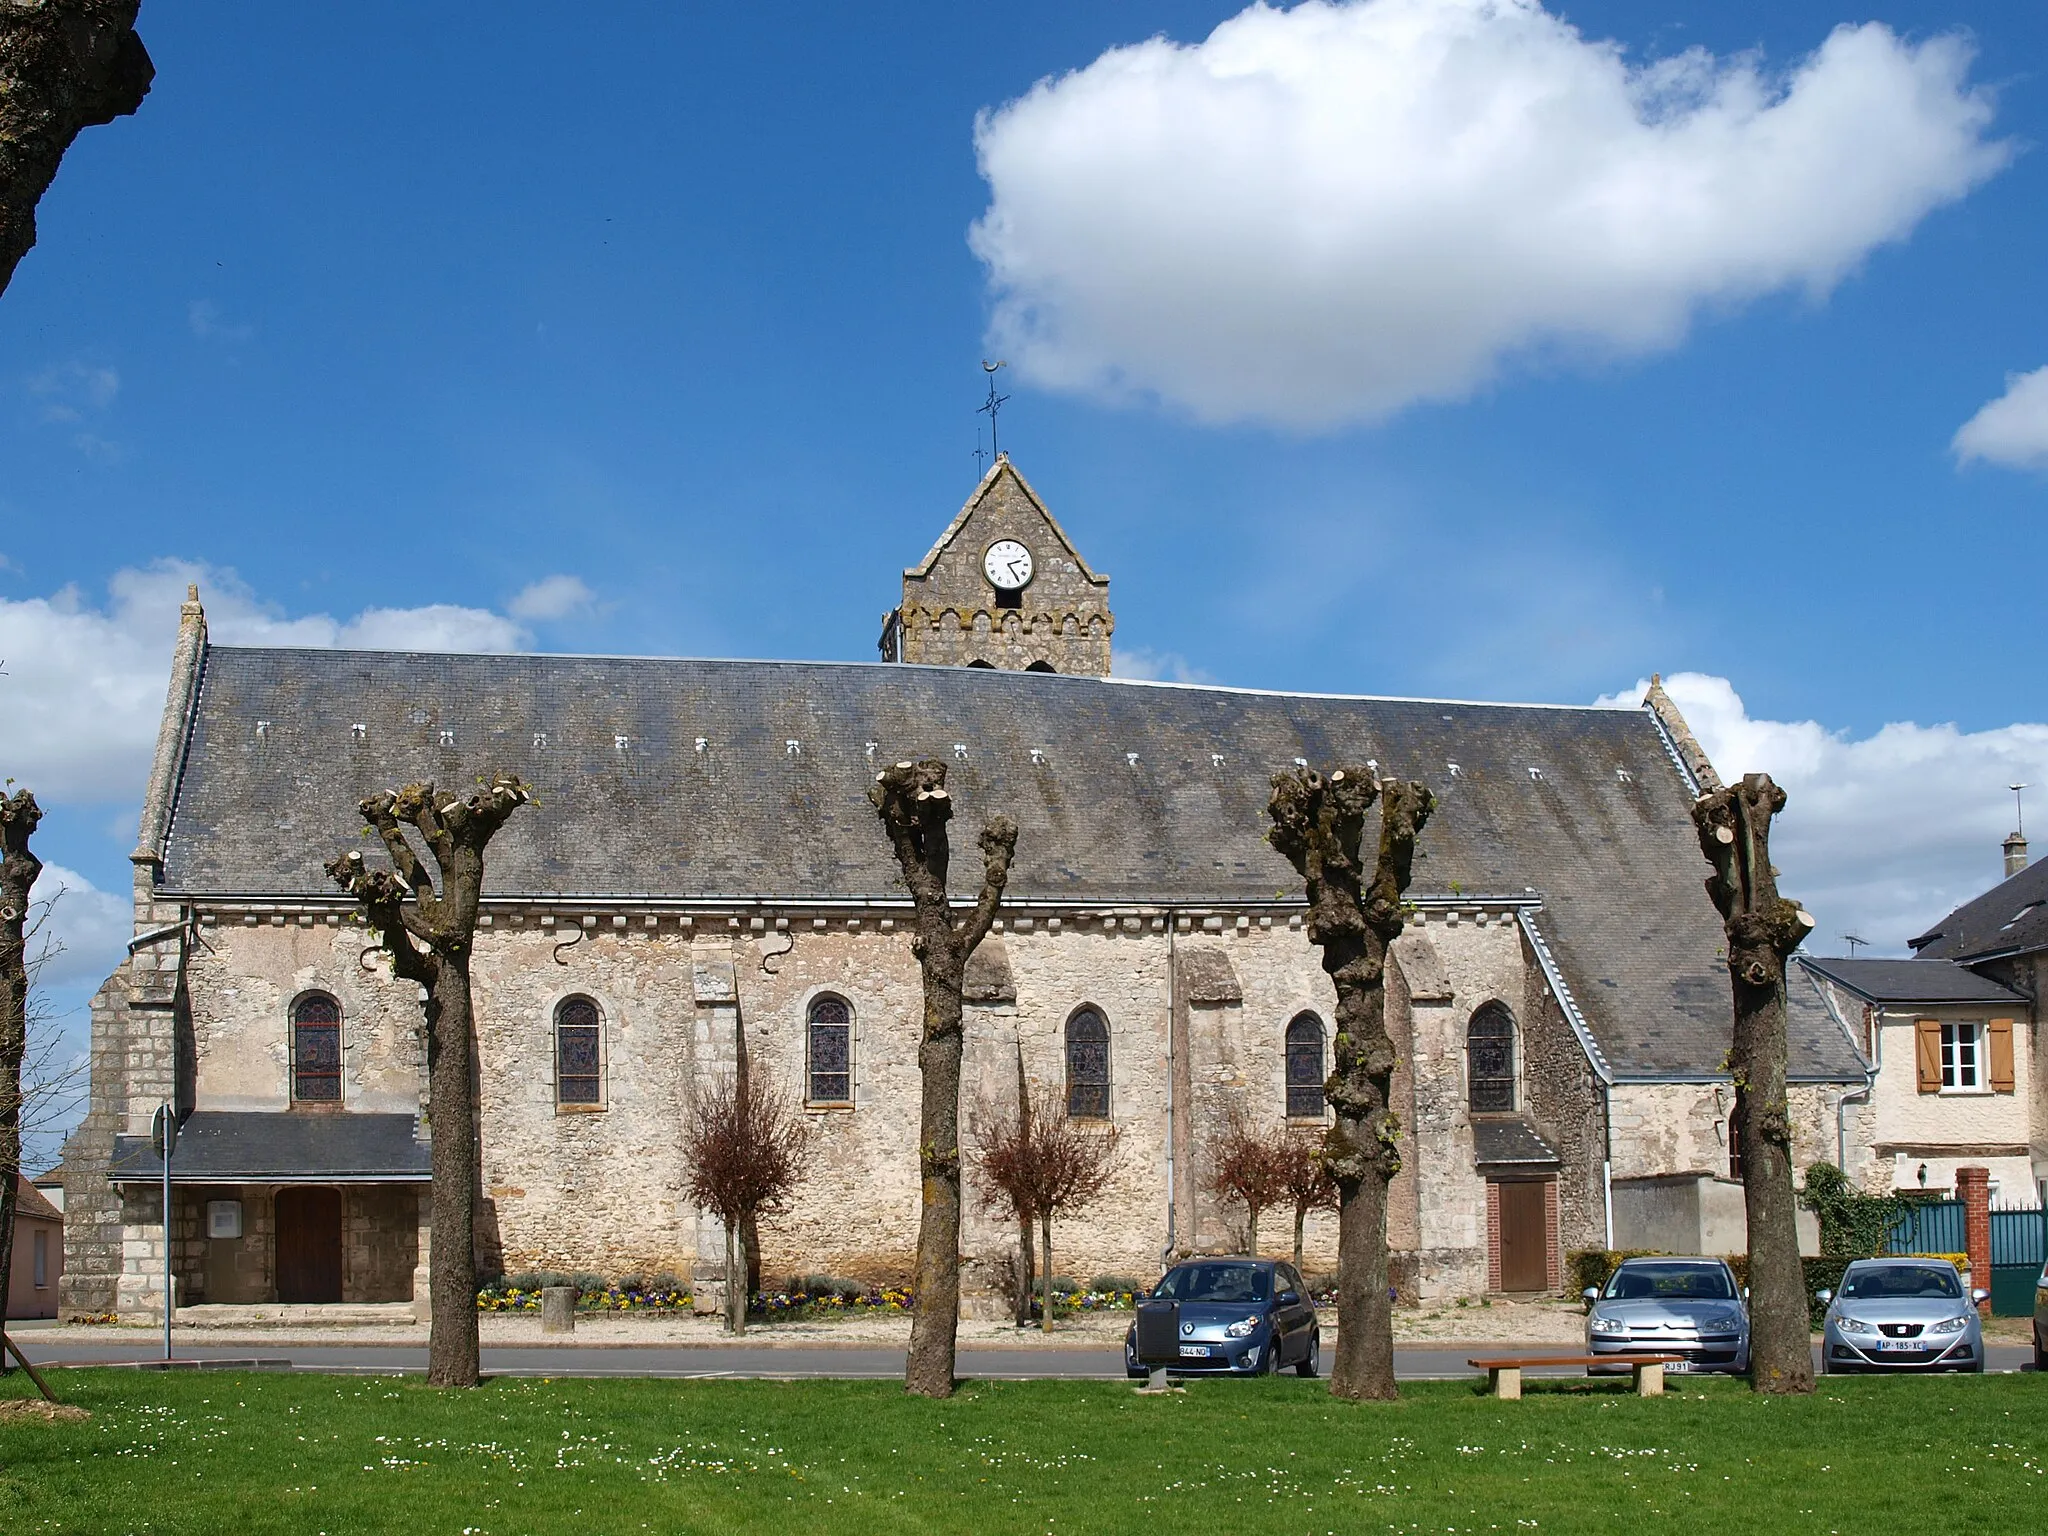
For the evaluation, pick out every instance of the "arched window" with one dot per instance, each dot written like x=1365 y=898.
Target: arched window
x=831 y=1051
x=1490 y=1059
x=1041 y=666
x=316 y=1049
x=1088 y=1066
x=579 y=1073
x=1305 y=1067
x=986 y=665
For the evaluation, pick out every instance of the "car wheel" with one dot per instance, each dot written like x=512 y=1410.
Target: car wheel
x=1312 y=1362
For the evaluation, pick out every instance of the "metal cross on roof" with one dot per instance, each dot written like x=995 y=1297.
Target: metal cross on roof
x=992 y=404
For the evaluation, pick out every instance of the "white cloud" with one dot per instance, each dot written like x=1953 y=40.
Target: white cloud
x=1880 y=836
x=1324 y=214
x=84 y=688
x=208 y=324
x=2011 y=430
x=91 y=927
x=68 y=392
x=552 y=597
x=1154 y=666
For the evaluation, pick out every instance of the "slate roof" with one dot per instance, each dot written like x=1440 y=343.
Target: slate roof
x=2012 y=915
x=1499 y=1143
x=236 y=1146
x=1912 y=981
x=1142 y=793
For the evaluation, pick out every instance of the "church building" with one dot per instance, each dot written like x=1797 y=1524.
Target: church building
x=703 y=869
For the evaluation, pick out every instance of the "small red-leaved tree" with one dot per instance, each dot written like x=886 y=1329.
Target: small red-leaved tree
x=429 y=933
x=1305 y=1180
x=1245 y=1167
x=914 y=806
x=19 y=816
x=744 y=1150
x=1038 y=1167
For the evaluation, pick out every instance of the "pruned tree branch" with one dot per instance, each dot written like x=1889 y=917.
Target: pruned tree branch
x=65 y=66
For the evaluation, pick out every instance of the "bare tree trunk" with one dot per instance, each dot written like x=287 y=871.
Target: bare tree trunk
x=429 y=937
x=454 y=1356
x=1251 y=1230
x=1025 y=1251
x=1300 y=1231
x=1318 y=823
x=735 y=1281
x=1045 y=1294
x=914 y=806
x=19 y=815
x=65 y=65
x=1763 y=928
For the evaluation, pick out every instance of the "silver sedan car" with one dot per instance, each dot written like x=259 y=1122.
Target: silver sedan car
x=1901 y=1314
x=1686 y=1307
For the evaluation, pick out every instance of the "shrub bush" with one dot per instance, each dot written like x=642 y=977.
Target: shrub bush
x=1117 y=1284
x=586 y=1283
x=664 y=1282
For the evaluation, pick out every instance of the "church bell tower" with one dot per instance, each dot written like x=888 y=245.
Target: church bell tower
x=1003 y=587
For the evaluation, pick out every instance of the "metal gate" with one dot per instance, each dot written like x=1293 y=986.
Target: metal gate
x=2019 y=1246
x=1932 y=1226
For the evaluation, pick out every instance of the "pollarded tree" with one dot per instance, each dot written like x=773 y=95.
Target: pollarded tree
x=744 y=1150
x=1039 y=1167
x=1763 y=928
x=1318 y=824
x=914 y=806
x=1245 y=1167
x=430 y=934
x=65 y=65
x=1306 y=1182
x=19 y=816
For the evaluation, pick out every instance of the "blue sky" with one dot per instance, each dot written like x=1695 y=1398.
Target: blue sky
x=383 y=309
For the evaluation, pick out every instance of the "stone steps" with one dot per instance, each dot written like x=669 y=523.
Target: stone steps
x=379 y=1314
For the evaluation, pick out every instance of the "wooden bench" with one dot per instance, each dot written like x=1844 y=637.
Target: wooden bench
x=1504 y=1377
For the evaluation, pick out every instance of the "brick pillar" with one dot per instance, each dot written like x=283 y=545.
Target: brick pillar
x=1492 y=1235
x=1973 y=1186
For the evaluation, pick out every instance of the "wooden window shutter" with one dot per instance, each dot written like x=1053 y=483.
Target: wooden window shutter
x=1927 y=1053
x=2000 y=1033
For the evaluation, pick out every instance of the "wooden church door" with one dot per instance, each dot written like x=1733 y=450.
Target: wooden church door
x=309 y=1245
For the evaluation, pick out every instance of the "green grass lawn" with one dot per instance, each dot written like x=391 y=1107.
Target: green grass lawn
x=219 y=1452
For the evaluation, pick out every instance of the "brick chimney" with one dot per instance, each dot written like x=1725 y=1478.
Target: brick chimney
x=2015 y=855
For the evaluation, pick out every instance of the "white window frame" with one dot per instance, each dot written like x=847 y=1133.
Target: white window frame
x=1962 y=1057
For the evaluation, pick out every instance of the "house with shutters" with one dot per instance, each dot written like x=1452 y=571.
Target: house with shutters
x=1951 y=1075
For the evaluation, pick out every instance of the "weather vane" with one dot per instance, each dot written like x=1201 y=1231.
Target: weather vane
x=990 y=406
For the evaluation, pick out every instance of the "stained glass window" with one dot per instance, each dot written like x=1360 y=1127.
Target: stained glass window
x=831 y=1030
x=1088 y=1065
x=316 y=1049
x=1305 y=1068
x=1490 y=1059
x=579 y=1078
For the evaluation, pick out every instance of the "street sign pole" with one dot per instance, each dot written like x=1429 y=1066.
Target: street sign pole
x=163 y=1131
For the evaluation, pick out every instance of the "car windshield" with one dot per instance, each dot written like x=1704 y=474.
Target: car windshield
x=1213 y=1282
x=1671 y=1282
x=1887 y=1280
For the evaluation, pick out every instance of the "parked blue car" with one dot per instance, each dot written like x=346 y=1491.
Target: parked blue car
x=1238 y=1317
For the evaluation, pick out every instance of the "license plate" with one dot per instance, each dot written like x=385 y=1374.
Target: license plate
x=1900 y=1345
x=1194 y=1351
x=1679 y=1366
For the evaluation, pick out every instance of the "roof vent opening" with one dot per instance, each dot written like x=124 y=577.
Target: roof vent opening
x=359 y=732
x=1038 y=757
x=447 y=738
x=1454 y=769
x=620 y=742
x=960 y=750
x=1131 y=758
x=703 y=743
x=793 y=747
x=540 y=740
x=262 y=729
x=1535 y=774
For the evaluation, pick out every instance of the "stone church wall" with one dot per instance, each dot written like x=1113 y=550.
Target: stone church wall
x=598 y=1188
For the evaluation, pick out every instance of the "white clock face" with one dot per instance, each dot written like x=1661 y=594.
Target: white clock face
x=1008 y=564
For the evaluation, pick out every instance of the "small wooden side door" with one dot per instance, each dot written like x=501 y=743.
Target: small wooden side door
x=309 y=1245
x=1524 y=1236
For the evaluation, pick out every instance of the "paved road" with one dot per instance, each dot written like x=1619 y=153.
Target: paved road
x=757 y=1361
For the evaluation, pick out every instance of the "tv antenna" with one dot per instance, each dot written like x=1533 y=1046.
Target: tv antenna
x=991 y=405
x=2018 y=809
x=1852 y=940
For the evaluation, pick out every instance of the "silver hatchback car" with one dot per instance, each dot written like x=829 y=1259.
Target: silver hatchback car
x=1901 y=1314
x=1686 y=1307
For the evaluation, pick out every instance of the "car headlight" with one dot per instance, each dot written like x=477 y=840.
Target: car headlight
x=1608 y=1324
x=1242 y=1327
x=1950 y=1325
x=1852 y=1325
x=1722 y=1322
